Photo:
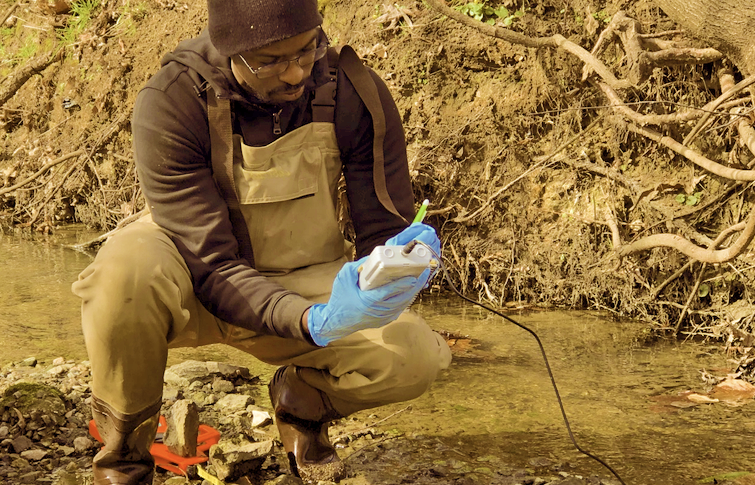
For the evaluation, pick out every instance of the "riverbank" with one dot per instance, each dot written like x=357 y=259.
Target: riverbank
x=44 y=434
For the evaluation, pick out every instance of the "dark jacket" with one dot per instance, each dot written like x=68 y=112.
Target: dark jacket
x=172 y=150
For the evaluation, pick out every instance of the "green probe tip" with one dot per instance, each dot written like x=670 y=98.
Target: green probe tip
x=422 y=211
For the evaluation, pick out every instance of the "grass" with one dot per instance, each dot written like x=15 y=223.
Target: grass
x=129 y=13
x=81 y=15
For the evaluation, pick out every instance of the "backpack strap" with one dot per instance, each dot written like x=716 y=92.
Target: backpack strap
x=367 y=90
x=221 y=154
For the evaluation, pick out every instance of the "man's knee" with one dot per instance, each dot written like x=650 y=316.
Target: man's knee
x=129 y=262
x=133 y=282
x=414 y=354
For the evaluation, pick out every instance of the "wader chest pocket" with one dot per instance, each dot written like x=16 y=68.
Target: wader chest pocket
x=286 y=175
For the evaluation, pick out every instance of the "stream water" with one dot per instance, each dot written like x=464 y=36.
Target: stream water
x=495 y=400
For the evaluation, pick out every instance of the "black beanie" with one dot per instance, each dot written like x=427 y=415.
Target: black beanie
x=243 y=25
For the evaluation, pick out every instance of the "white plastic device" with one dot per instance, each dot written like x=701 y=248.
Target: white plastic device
x=388 y=263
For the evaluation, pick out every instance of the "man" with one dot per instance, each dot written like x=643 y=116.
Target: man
x=240 y=141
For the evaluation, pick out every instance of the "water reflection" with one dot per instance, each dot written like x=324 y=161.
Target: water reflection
x=38 y=314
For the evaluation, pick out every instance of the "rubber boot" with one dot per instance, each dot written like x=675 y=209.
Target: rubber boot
x=125 y=458
x=303 y=414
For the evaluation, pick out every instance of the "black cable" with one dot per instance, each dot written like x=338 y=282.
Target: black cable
x=542 y=351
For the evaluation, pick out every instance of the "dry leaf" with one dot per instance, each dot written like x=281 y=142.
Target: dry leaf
x=734 y=392
x=701 y=398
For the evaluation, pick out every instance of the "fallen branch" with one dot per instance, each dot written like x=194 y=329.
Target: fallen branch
x=9 y=13
x=42 y=170
x=87 y=245
x=50 y=195
x=669 y=57
x=19 y=78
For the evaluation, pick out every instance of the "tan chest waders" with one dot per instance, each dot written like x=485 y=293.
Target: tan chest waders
x=282 y=196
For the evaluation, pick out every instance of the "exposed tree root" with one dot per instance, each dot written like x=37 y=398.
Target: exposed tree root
x=693 y=251
x=694 y=157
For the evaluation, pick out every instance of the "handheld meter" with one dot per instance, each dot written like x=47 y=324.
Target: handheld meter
x=388 y=263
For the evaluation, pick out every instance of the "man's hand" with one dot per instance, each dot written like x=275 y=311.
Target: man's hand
x=416 y=231
x=350 y=309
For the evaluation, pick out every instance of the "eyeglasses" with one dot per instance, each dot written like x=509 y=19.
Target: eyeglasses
x=278 y=68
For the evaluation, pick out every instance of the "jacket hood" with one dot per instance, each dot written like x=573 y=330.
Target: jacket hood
x=199 y=55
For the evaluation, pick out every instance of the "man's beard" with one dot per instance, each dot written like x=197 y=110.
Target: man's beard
x=266 y=98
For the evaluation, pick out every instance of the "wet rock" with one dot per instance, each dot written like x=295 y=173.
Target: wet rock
x=31 y=477
x=183 y=428
x=33 y=455
x=232 y=403
x=228 y=370
x=82 y=444
x=183 y=374
x=171 y=393
x=35 y=399
x=261 y=418
x=21 y=444
x=66 y=450
x=60 y=369
x=222 y=385
x=232 y=460
x=20 y=463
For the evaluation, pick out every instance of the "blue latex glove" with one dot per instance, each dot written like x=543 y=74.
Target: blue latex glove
x=420 y=232
x=350 y=309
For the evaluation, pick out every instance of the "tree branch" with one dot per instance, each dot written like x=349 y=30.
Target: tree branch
x=9 y=12
x=19 y=78
x=42 y=170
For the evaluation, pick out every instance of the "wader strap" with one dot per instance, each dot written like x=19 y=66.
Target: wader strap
x=367 y=90
x=221 y=152
x=324 y=104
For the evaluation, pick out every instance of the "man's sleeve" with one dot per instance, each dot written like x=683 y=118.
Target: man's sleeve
x=373 y=223
x=171 y=147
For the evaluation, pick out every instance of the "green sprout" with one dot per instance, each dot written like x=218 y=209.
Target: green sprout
x=479 y=10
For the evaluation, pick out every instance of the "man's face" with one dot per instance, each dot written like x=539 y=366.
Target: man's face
x=289 y=84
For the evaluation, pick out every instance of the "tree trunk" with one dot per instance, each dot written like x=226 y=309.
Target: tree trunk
x=726 y=25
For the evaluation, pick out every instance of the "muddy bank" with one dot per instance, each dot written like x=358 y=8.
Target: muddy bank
x=44 y=434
